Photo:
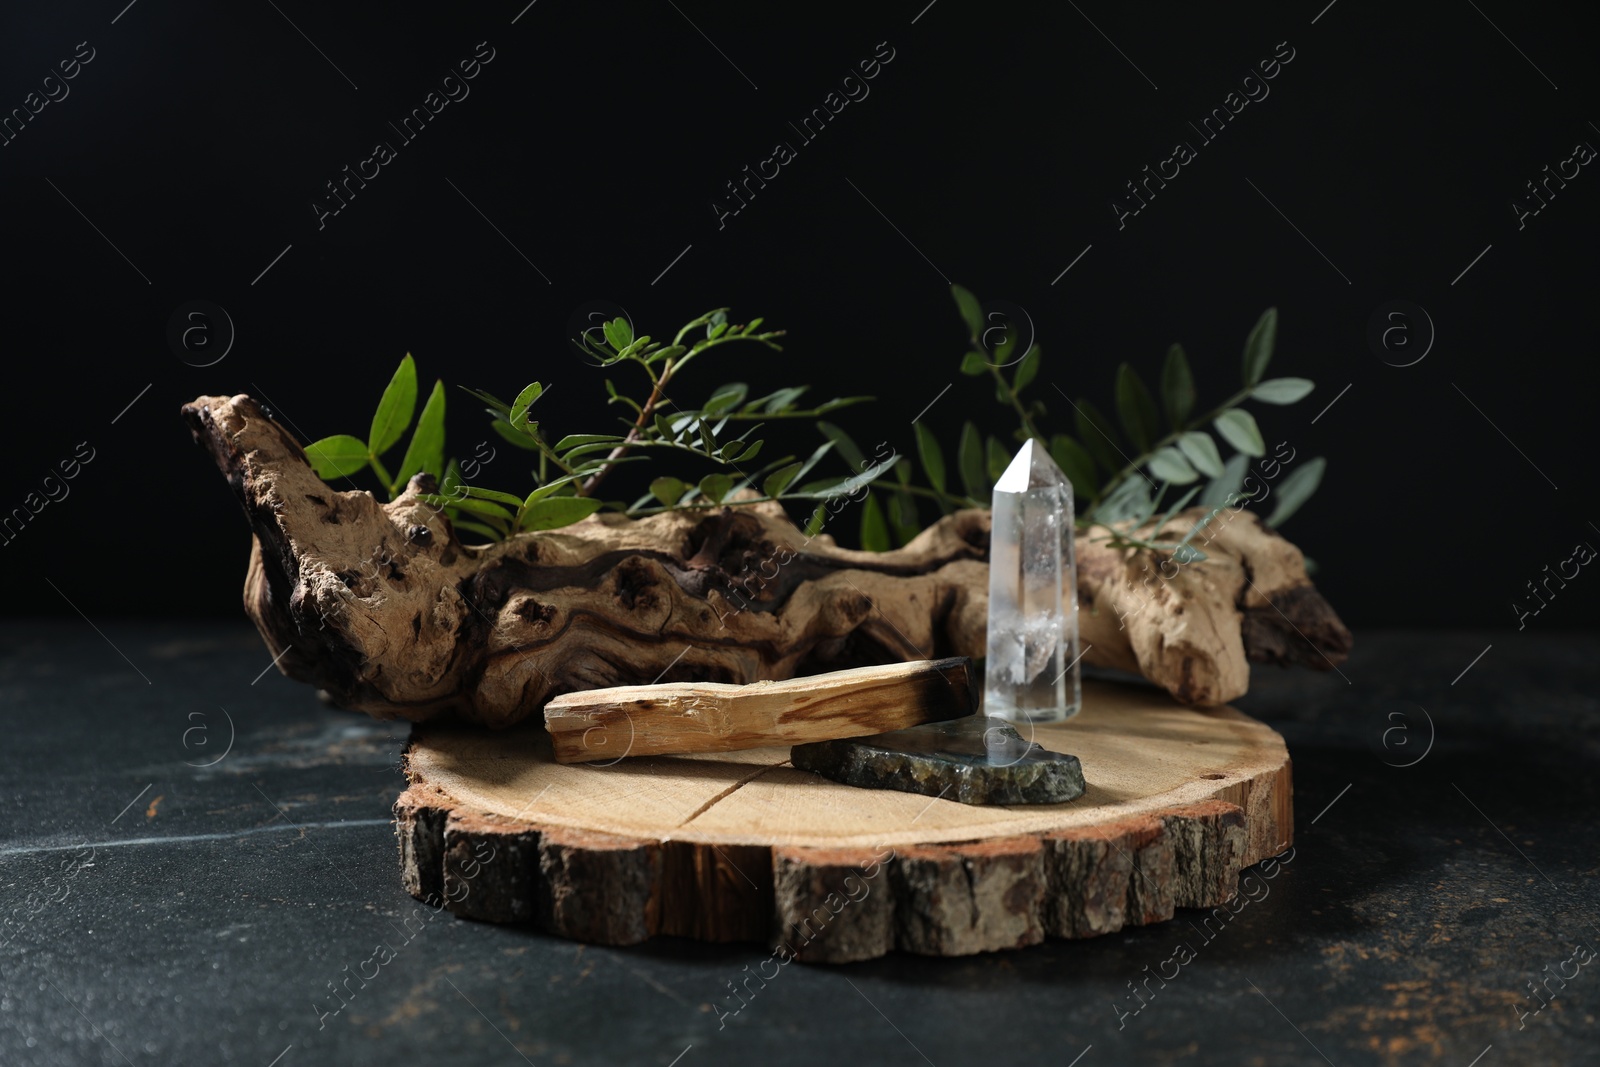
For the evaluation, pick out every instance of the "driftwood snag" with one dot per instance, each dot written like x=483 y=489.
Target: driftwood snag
x=741 y=846
x=677 y=717
x=385 y=608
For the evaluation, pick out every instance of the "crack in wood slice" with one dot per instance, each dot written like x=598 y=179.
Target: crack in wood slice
x=950 y=879
x=740 y=784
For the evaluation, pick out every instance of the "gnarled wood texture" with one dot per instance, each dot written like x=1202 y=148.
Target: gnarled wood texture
x=385 y=608
x=743 y=847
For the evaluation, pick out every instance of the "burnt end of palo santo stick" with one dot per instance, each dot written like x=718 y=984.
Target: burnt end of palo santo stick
x=684 y=717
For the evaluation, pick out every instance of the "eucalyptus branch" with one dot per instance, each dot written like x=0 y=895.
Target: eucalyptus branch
x=1183 y=427
x=1112 y=490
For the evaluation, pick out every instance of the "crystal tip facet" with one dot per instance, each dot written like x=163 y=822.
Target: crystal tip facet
x=1031 y=468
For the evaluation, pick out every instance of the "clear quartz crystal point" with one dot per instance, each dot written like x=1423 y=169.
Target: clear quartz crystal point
x=1032 y=667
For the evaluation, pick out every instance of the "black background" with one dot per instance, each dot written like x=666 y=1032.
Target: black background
x=199 y=136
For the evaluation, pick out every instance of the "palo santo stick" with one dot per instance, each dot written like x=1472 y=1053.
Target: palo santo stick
x=679 y=717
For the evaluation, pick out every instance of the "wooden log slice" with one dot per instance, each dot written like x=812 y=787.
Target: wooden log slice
x=741 y=846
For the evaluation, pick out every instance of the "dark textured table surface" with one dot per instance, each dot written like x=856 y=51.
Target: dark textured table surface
x=159 y=911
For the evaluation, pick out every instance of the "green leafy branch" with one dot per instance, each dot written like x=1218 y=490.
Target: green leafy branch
x=343 y=455
x=1112 y=474
x=721 y=430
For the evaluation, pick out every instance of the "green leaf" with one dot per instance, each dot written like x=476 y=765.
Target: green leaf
x=1238 y=428
x=549 y=488
x=558 y=511
x=451 y=479
x=473 y=492
x=841 y=402
x=395 y=409
x=749 y=452
x=782 y=400
x=1027 y=370
x=970 y=458
x=514 y=435
x=477 y=528
x=1224 y=486
x=1258 y=346
x=477 y=507
x=426 y=450
x=726 y=398
x=518 y=415
x=619 y=335
x=1177 y=387
x=495 y=405
x=715 y=486
x=856 y=481
x=1129 y=500
x=932 y=457
x=999 y=459
x=874 y=530
x=973 y=364
x=572 y=455
x=1076 y=464
x=1186 y=552
x=589 y=466
x=1169 y=465
x=1282 y=390
x=819 y=519
x=1008 y=345
x=846 y=447
x=1097 y=435
x=903 y=519
x=1181 y=503
x=971 y=311
x=338 y=456
x=1199 y=449
x=1135 y=408
x=1296 y=489
x=781 y=479
x=668 y=490
x=811 y=460
x=573 y=440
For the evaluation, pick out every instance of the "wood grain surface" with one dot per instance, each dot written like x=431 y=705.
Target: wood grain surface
x=742 y=846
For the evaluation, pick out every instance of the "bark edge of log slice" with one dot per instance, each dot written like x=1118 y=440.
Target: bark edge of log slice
x=1180 y=800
